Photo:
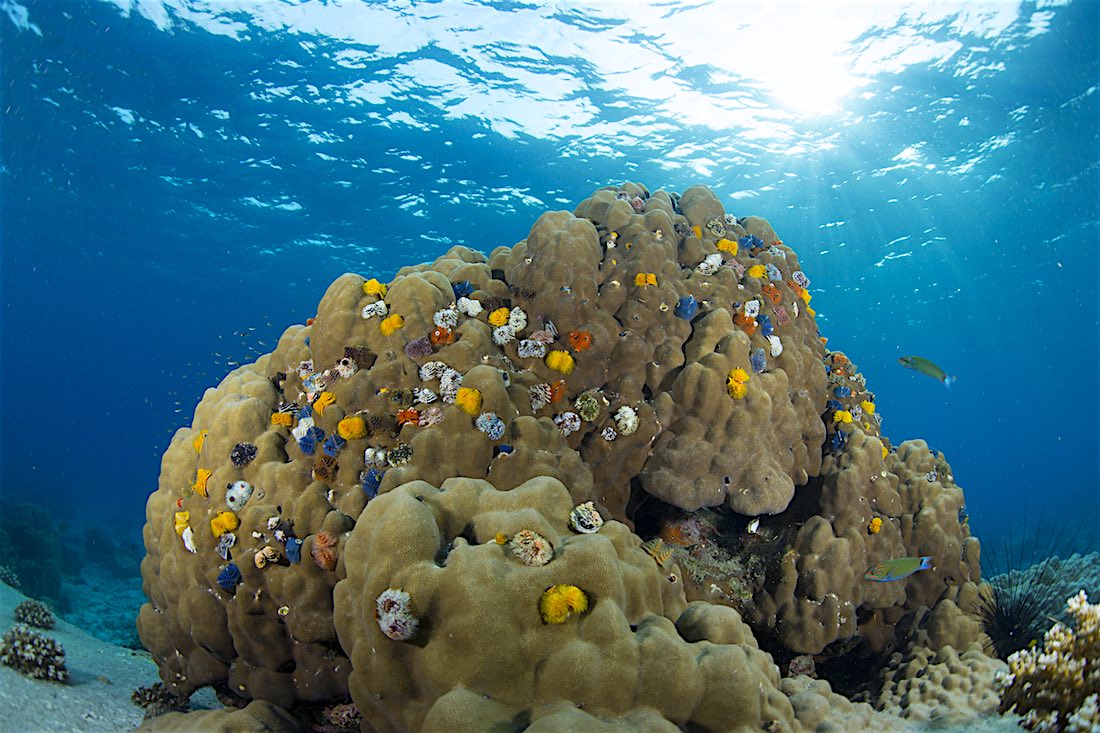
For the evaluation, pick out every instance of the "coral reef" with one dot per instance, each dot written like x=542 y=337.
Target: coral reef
x=9 y=576
x=33 y=654
x=1056 y=687
x=622 y=438
x=34 y=613
x=156 y=699
x=32 y=548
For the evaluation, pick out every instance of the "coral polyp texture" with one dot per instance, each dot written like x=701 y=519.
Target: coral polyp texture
x=573 y=481
x=33 y=654
x=1056 y=686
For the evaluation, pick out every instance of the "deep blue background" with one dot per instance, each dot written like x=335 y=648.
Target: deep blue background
x=133 y=261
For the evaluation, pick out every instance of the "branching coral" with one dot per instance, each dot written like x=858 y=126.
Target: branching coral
x=1056 y=688
x=34 y=613
x=33 y=654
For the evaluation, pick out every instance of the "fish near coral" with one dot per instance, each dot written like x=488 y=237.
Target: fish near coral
x=924 y=366
x=897 y=568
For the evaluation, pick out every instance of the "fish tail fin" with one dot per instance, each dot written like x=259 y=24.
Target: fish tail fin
x=948 y=381
x=926 y=564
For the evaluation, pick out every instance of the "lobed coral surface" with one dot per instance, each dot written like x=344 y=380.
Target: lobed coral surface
x=630 y=446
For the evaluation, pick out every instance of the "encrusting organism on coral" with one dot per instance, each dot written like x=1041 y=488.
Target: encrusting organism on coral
x=33 y=654
x=531 y=548
x=323 y=550
x=559 y=602
x=156 y=699
x=394 y=612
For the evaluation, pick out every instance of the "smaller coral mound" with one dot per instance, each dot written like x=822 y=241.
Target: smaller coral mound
x=33 y=654
x=8 y=576
x=1057 y=688
x=34 y=613
x=157 y=700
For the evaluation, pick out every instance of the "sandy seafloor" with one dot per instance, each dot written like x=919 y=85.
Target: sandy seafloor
x=103 y=676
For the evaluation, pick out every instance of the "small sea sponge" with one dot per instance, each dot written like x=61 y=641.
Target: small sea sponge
x=587 y=406
x=560 y=361
x=842 y=416
x=874 y=526
x=559 y=602
x=224 y=522
x=34 y=613
x=469 y=399
x=33 y=654
x=626 y=420
x=180 y=521
x=745 y=323
x=324 y=550
x=198 y=440
x=242 y=454
x=531 y=349
x=499 y=317
x=531 y=548
x=230 y=577
x=390 y=324
x=726 y=245
x=645 y=278
x=419 y=348
x=373 y=287
x=352 y=427
x=490 y=424
x=202 y=476
x=440 y=337
x=540 y=396
x=323 y=400
x=580 y=340
x=395 y=619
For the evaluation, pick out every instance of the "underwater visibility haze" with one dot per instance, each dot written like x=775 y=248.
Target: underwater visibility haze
x=186 y=186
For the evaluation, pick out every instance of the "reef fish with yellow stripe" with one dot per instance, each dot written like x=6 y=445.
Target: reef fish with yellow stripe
x=897 y=568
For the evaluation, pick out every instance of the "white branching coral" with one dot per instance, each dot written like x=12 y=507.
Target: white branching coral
x=1055 y=688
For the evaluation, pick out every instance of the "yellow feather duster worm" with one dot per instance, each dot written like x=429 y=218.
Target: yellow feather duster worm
x=559 y=602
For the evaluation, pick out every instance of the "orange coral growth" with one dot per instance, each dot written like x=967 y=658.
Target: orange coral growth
x=580 y=340
x=745 y=323
x=409 y=415
x=324 y=550
x=557 y=391
x=839 y=359
x=441 y=337
x=773 y=293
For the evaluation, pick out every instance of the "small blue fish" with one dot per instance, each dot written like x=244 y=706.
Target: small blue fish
x=898 y=568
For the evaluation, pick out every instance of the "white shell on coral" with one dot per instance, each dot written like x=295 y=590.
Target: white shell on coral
x=568 y=423
x=626 y=419
x=237 y=494
x=432 y=370
x=531 y=349
x=377 y=308
x=517 y=320
x=446 y=318
x=470 y=307
x=425 y=396
x=302 y=428
x=189 y=539
x=585 y=519
x=710 y=264
x=776 y=344
x=503 y=335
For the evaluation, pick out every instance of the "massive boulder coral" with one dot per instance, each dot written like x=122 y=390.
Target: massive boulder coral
x=456 y=495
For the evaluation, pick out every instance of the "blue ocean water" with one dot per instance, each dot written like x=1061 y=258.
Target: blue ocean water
x=182 y=180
